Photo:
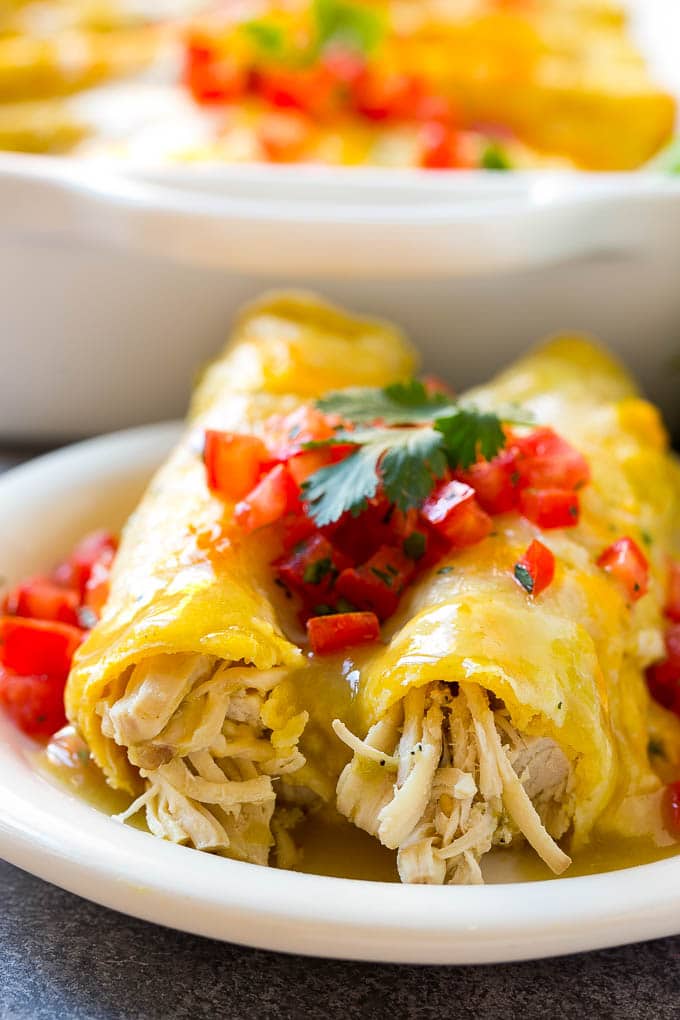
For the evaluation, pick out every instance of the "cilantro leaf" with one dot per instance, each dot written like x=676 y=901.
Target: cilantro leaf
x=267 y=37
x=495 y=157
x=467 y=433
x=410 y=467
x=347 y=24
x=524 y=577
x=345 y=486
x=399 y=404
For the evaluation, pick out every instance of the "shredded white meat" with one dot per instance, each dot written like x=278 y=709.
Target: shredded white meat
x=444 y=777
x=195 y=728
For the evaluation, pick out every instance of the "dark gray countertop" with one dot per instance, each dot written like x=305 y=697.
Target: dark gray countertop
x=62 y=957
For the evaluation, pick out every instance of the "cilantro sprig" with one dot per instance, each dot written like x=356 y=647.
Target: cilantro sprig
x=416 y=438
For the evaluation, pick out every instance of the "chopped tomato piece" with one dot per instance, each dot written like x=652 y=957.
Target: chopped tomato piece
x=380 y=96
x=40 y=598
x=550 y=508
x=547 y=461
x=76 y=570
x=625 y=561
x=284 y=136
x=233 y=462
x=34 y=703
x=297 y=528
x=303 y=465
x=212 y=77
x=536 y=569
x=38 y=646
x=438 y=146
x=671 y=809
x=379 y=524
x=673 y=593
x=287 y=436
x=97 y=587
x=342 y=630
x=495 y=482
x=663 y=678
x=312 y=567
x=377 y=584
x=453 y=511
x=274 y=496
x=310 y=90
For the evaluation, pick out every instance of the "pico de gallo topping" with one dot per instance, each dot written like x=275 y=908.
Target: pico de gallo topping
x=626 y=561
x=43 y=621
x=371 y=487
x=322 y=72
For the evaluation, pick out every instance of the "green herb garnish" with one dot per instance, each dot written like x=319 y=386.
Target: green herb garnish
x=495 y=158
x=445 y=570
x=315 y=572
x=414 y=545
x=342 y=23
x=267 y=37
x=524 y=578
x=655 y=748
x=419 y=437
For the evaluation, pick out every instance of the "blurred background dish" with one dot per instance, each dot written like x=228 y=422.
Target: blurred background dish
x=119 y=274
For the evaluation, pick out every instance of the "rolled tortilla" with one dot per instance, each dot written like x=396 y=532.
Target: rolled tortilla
x=491 y=714
x=172 y=688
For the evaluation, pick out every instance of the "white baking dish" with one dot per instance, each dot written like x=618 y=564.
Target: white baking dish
x=117 y=282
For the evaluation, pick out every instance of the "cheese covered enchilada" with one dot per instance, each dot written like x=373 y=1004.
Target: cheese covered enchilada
x=355 y=595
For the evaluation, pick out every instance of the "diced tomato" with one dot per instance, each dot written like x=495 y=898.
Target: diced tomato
x=34 y=703
x=312 y=567
x=547 y=461
x=284 y=136
x=233 y=462
x=309 y=90
x=495 y=482
x=438 y=146
x=536 y=569
x=38 y=646
x=342 y=630
x=673 y=592
x=40 y=598
x=453 y=511
x=663 y=678
x=377 y=584
x=288 y=435
x=97 y=587
x=295 y=529
x=380 y=96
x=625 y=561
x=344 y=65
x=303 y=465
x=76 y=570
x=434 y=386
x=671 y=809
x=274 y=496
x=550 y=508
x=212 y=77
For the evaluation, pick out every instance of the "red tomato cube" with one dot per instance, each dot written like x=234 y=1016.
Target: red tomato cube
x=536 y=569
x=34 y=703
x=625 y=561
x=342 y=630
x=275 y=495
x=76 y=570
x=40 y=598
x=38 y=646
x=454 y=513
x=547 y=461
x=550 y=508
x=377 y=584
x=312 y=566
x=671 y=809
x=233 y=462
x=495 y=482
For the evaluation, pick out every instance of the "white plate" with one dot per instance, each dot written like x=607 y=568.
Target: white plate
x=44 y=829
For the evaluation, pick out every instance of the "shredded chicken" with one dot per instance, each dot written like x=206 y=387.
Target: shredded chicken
x=443 y=777
x=197 y=730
